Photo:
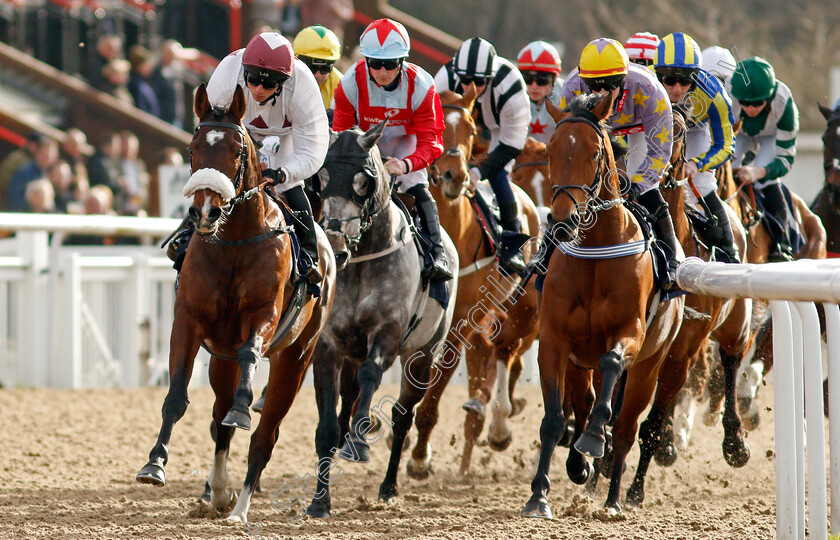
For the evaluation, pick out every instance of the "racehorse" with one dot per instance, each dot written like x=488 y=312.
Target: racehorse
x=595 y=311
x=494 y=331
x=827 y=203
x=530 y=172
x=382 y=310
x=237 y=299
x=754 y=370
x=727 y=320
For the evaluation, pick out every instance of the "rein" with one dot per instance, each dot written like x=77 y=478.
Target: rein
x=529 y=164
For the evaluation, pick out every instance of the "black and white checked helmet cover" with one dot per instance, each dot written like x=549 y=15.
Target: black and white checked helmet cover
x=475 y=58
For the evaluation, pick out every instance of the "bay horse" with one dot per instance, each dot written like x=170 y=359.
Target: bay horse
x=826 y=205
x=382 y=310
x=494 y=331
x=726 y=320
x=530 y=172
x=595 y=311
x=235 y=294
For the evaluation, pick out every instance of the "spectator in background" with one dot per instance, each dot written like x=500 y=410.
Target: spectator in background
x=168 y=82
x=98 y=201
x=139 y=79
x=45 y=155
x=105 y=167
x=60 y=176
x=14 y=161
x=75 y=151
x=290 y=16
x=334 y=14
x=116 y=74
x=108 y=48
x=132 y=191
x=40 y=197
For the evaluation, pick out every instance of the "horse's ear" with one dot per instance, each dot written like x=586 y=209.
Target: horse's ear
x=826 y=112
x=237 y=105
x=603 y=108
x=202 y=102
x=470 y=96
x=372 y=135
x=553 y=111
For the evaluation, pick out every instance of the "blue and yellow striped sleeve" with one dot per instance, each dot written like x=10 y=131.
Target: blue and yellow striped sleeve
x=718 y=111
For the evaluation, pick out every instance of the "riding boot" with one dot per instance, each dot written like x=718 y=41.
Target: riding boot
x=427 y=210
x=727 y=240
x=664 y=228
x=177 y=248
x=510 y=255
x=775 y=204
x=305 y=230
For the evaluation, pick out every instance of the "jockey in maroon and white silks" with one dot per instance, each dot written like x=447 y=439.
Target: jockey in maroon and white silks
x=415 y=119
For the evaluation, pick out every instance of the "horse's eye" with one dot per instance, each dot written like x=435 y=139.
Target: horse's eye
x=361 y=183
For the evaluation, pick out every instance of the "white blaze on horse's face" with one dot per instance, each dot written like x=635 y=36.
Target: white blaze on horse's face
x=214 y=136
x=453 y=119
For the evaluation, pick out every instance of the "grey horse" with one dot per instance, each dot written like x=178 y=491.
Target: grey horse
x=379 y=299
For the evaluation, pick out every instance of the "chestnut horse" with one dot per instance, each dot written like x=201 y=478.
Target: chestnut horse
x=727 y=320
x=236 y=297
x=494 y=331
x=530 y=172
x=595 y=312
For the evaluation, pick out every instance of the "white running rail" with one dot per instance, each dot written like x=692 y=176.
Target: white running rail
x=792 y=288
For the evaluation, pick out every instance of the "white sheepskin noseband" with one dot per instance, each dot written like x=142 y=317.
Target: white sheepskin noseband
x=210 y=179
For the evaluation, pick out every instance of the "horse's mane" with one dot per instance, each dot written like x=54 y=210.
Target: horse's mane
x=585 y=103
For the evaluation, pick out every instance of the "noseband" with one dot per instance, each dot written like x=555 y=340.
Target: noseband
x=593 y=203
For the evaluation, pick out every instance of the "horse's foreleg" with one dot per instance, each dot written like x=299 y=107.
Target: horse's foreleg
x=183 y=346
x=349 y=392
x=582 y=396
x=369 y=375
x=222 y=376
x=553 y=359
x=736 y=451
x=287 y=371
x=476 y=406
x=499 y=435
x=417 y=371
x=247 y=356
x=591 y=442
x=419 y=465
x=327 y=434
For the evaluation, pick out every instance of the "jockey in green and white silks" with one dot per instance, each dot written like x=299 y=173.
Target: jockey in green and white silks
x=709 y=140
x=769 y=124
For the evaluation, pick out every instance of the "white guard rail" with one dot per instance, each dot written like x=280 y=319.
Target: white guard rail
x=792 y=288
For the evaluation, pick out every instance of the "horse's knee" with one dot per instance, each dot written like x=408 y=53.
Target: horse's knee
x=369 y=374
x=326 y=437
x=552 y=426
x=175 y=404
x=611 y=363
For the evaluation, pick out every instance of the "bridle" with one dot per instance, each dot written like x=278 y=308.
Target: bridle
x=455 y=151
x=593 y=204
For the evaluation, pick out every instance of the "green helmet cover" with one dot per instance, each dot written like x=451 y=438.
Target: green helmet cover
x=754 y=80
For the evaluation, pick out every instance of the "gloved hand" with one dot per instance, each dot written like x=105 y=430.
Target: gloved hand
x=276 y=175
x=690 y=169
x=396 y=166
x=475 y=176
x=748 y=175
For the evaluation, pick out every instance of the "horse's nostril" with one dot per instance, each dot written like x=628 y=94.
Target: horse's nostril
x=214 y=213
x=194 y=214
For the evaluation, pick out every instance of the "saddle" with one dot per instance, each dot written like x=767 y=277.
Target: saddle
x=659 y=251
x=487 y=213
x=774 y=228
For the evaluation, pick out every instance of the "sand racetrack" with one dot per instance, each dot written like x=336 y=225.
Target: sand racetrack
x=69 y=459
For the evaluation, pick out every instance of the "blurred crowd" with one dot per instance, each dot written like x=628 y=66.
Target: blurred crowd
x=45 y=175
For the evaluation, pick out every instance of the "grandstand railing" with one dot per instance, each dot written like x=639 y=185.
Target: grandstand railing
x=791 y=289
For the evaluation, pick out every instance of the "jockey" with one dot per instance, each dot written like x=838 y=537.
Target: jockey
x=769 y=123
x=709 y=140
x=318 y=48
x=718 y=62
x=641 y=48
x=283 y=101
x=539 y=63
x=384 y=85
x=503 y=109
x=642 y=113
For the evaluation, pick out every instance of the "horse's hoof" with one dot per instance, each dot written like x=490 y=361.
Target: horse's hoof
x=589 y=445
x=635 y=498
x=517 y=406
x=612 y=509
x=583 y=476
x=711 y=418
x=418 y=470
x=736 y=455
x=237 y=419
x=750 y=423
x=259 y=404
x=224 y=504
x=477 y=406
x=388 y=493
x=500 y=446
x=666 y=455
x=235 y=519
x=153 y=474
x=318 y=511
x=537 y=509
x=206 y=495
x=355 y=450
